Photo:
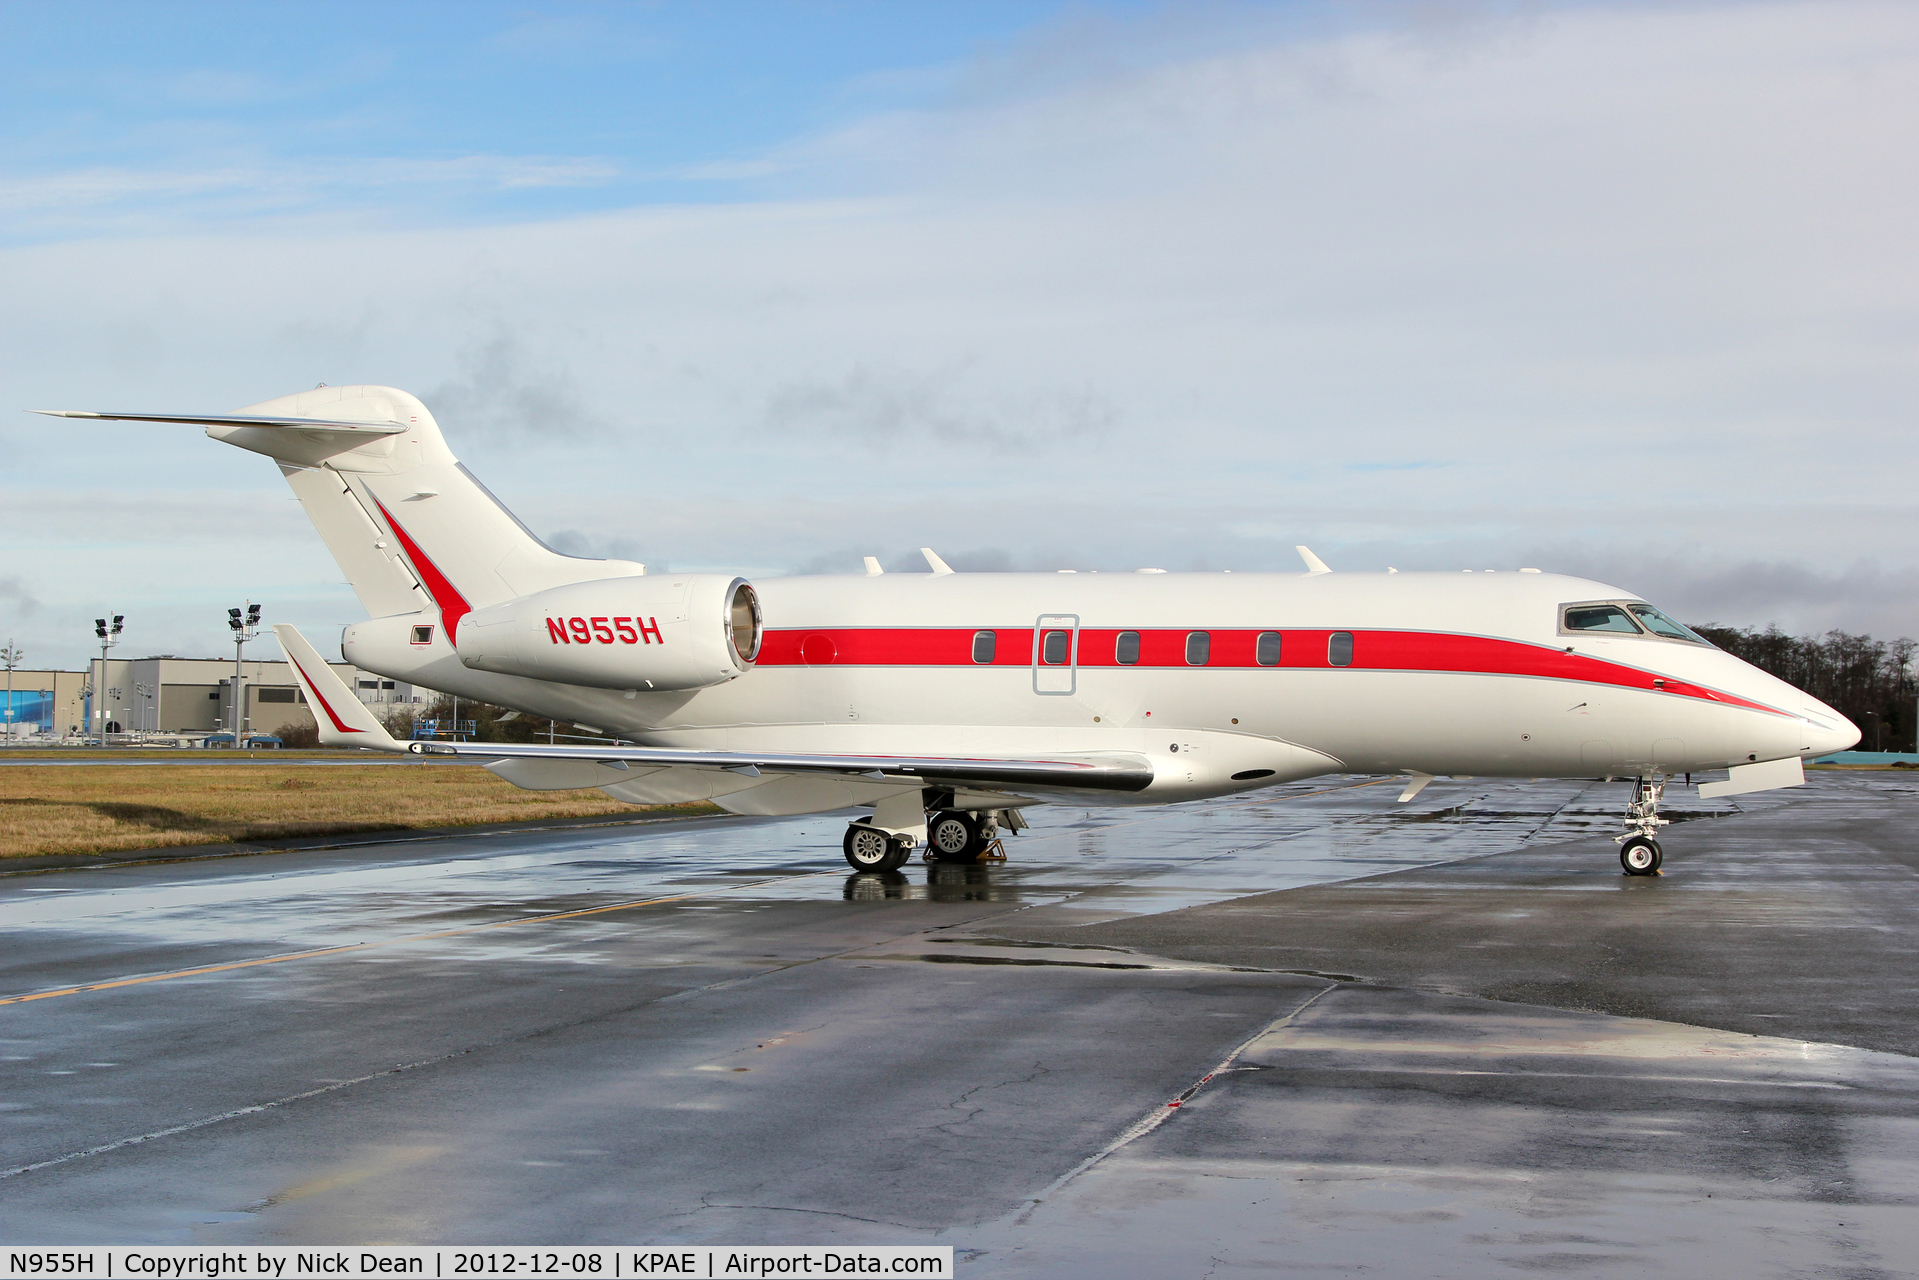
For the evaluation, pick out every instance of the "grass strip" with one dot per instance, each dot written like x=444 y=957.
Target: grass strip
x=55 y=810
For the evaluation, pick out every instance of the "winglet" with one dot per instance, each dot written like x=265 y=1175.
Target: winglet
x=940 y=567
x=1314 y=565
x=344 y=719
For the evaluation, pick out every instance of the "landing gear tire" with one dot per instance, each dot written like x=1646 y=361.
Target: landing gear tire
x=954 y=837
x=1641 y=856
x=870 y=849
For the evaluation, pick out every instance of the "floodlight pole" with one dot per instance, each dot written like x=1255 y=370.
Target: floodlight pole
x=109 y=636
x=11 y=655
x=245 y=626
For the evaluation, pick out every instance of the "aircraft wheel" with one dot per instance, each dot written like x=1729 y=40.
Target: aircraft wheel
x=954 y=837
x=870 y=849
x=1641 y=856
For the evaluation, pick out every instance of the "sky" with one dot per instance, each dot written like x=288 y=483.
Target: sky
x=1618 y=289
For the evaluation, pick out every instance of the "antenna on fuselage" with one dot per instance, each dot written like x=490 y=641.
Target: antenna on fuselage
x=940 y=567
x=1314 y=565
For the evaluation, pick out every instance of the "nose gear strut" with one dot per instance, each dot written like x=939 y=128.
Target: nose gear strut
x=1639 y=852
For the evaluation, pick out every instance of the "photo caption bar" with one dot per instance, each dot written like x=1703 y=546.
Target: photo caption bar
x=434 y=1262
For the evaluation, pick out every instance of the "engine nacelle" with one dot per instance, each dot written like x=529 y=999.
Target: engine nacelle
x=651 y=631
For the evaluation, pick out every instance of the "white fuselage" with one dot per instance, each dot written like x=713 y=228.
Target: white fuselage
x=1449 y=674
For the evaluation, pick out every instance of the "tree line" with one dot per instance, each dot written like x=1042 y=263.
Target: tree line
x=1868 y=681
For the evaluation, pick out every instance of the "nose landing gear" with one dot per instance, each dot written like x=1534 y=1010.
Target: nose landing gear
x=1639 y=852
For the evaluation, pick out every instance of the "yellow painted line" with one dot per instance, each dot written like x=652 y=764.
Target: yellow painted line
x=317 y=952
x=384 y=942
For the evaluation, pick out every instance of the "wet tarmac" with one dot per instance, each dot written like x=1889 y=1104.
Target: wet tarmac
x=1439 y=1039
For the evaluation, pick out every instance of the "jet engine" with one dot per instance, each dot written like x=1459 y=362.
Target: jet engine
x=652 y=631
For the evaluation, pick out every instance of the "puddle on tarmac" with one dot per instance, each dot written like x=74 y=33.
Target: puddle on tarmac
x=1110 y=863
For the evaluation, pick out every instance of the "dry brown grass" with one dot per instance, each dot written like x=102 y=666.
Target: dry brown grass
x=104 y=808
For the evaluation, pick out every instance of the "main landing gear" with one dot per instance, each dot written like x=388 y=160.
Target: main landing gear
x=1639 y=852
x=958 y=836
x=870 y=849
x=885 y=841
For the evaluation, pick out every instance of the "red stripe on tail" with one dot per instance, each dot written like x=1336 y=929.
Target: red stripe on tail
x=453 y=605
x=320 y=698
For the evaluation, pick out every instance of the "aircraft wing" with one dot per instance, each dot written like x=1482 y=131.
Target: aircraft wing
x=346 y=722
x=1102 y=771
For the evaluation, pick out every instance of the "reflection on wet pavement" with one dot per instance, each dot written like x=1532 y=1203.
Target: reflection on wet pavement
x=1104 y=863
x=709 y=1031
x=1380 y=1132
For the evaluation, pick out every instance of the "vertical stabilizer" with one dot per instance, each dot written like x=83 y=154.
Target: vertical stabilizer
x=412 y=528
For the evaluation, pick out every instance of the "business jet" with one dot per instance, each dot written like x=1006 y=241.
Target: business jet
x=949 y=703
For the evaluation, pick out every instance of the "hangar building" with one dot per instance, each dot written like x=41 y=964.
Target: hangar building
x=169 y=695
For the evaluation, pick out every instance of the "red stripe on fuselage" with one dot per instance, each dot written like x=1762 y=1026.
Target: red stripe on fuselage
x=453 y=605
x=1164 y=648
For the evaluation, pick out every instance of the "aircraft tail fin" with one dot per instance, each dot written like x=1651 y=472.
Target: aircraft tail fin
x=344 y=720
x=412 y=528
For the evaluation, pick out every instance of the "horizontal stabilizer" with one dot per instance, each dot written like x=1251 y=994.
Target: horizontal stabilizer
x=344 y=720
x=388 y=428
x=1764 y=776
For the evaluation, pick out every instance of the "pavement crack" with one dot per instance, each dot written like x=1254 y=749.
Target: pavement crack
x=822 y=1213
x=235 y=1114
x=1159 y=1115
x=335 y=1086
x=947 y=1127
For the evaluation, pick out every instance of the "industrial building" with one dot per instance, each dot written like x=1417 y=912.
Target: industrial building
x=165 y=695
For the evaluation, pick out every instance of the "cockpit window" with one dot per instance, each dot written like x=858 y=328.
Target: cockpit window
x=1599 y=617
x=1622 y=617
x=1660 y=625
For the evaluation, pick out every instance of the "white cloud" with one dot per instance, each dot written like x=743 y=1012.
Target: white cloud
x=1632 y=285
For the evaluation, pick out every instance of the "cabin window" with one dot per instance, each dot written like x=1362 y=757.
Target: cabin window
x=1660 y=625
x=1126 y=648
x=983 y=644
x=1339 y=649
x=1600 y=617
x=1199 y=647
x=1266 y=649
x=1055 y=647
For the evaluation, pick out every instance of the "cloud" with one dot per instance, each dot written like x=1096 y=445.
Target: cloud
x=895 y=407
x=15 y=591
x=506 y=391
x=1863 y=596
x=1640 y=277
x=125 y=200
x=571 y=542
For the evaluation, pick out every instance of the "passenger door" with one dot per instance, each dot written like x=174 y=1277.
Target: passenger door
x=1056 y=653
